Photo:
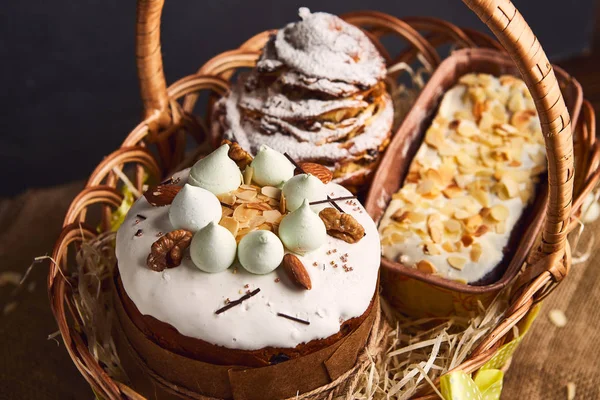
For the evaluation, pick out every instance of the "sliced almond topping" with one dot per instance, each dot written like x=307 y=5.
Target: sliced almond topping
x=244 y=214
x=461 y=214
x=467 y=240
x=400 y=215
x=265 y=227
x=473 y=222
x=247 y=195
x=475 y=252
x=226 y=211
x=248 y=174
x=397 y=238
x=499 y=212
x=435 y=138
x=457 y=262
x=481 y=230
x=271 y=192
x=435 y=228
x=282 y=204
x=425 y=186
x=481 y=196
x=231 y=224
x=227 y=198
x=452 y=191
x=431 y=249
x=448 y=247
x=259 y=206
x=467 y=128
x=248 y=187
x=426 y=266
x=435 y=176
x=257 y=221
x=272 y=216
x=452 y=225
x=521 y=119
x=464 y=160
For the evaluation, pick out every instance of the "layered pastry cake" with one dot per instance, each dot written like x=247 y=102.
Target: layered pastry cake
x=469 y=183
x=316 y=93
x=247 y=261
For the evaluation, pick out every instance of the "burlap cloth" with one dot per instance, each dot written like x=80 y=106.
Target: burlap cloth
x=33 y=367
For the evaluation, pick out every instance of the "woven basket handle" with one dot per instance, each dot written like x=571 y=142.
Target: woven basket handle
x=153 y=85
x=516 y=36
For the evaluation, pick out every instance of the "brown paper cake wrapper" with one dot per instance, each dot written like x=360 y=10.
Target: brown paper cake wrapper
x=158 y=373
x=424 y=295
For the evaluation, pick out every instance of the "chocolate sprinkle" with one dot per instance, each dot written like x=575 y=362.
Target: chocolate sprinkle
x=293 y=318
x=293 y=162
x=138 y=233
x=330 y=199
x=141 y=217
x=238 y=301
x=167 y=182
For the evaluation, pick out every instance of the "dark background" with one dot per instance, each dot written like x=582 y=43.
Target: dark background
x=69 y=92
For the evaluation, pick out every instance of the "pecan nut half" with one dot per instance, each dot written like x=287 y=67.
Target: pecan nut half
x=319 y=171
x=342 y=225
x=167 y=251
x=241 y=157
x=161 y=195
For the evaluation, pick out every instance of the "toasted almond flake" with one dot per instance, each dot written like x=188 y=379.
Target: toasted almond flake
x=226 y=211
x=467 y=128
x=464 y=160
x=452 y=225
x=397 y=238
x=482 y=197
x=248 y=174
x=431 y=249
x=243 y=232
x=425 y=186
x=449 y=247
x=434 y=137
x=435 y=176
x=247 y=195
x=467 y=240
x=452 y=191
x=476 y=252
x=271 y=191
x=257 y=221
x=558 y=318
x=244 y=214
x=461 y=214
x=473 y=222
x=499 y=212
x=227 y=198
x=522 y=119
x=456 y=262
x=481 y=230
x=231 y=224
x=265 y=227
x=248 y=187
x=435 y=228
x=282 y=204
x=259 y=206
x=426 y=266
x=500 y=228
x=400 y=215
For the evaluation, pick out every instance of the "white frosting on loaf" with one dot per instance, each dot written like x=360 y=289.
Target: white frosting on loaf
x=187 y=298
x=470 y=181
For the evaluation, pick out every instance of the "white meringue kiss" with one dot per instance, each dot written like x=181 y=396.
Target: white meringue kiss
x=193 y=208
x=213 y=248
x=271 y=168
x=260 y=252
x=301 y=187
x=302 y=230
x=216 y=172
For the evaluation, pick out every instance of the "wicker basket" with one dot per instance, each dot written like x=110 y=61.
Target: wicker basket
x=157 y=145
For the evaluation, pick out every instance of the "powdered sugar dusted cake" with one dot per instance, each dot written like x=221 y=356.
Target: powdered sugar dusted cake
x=317 y=93
x=469 y=183
x=251 y=263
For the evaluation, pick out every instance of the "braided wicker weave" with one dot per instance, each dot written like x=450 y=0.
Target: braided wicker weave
x=157 y=145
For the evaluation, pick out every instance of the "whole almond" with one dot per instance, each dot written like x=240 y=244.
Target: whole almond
x=317 y=170
x=296 y=271
x=161 y=195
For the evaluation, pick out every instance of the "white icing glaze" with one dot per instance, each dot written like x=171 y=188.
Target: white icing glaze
x=260 y=252
x=213 y=248
x=216 y=172
x=324 y=46
x=530 y=155
x=187 y=298
x=302 y=230
x=301 y=187
x=271 y=167
x=193 y=208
